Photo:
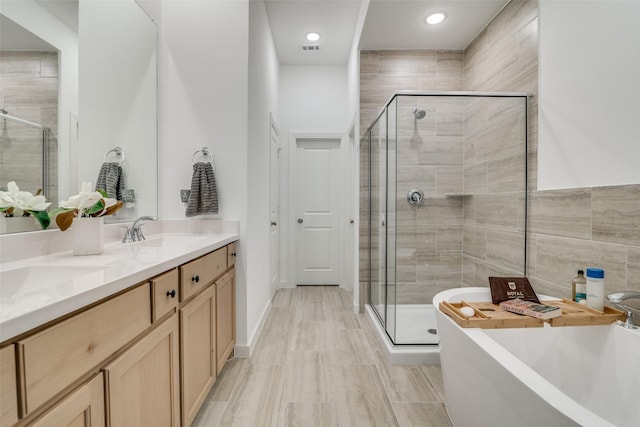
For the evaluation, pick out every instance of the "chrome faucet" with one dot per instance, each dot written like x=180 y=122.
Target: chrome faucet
x=617 y=298
x=134 y=234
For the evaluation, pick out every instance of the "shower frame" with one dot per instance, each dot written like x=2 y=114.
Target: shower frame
x=371 y=230
x=46 y=134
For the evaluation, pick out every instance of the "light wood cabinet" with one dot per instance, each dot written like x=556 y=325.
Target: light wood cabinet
x=164 y=294
x=8 y=387
x=199 y=273
x=231 y=254
x=60 y=355
x=198 y=352
x=142 y=384
x=147 y=356
x=83 y=408
x=225 y=317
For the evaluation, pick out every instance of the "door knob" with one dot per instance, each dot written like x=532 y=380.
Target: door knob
x=300 y=221
x=351 y=221
x=274 y=223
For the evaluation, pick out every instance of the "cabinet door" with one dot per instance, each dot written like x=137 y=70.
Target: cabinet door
x=226 y=319
x=198 y=367
x=142 y=384
x=83 y=408
x=9 y=396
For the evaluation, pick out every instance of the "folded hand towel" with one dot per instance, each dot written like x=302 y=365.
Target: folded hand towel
x=203 y=198
x=111 y=180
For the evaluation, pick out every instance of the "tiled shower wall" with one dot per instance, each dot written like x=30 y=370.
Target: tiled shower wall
x=429 y=157
x=567 y=229
x=29 y=89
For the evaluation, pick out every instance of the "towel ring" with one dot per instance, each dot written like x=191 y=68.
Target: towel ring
x=205 y=152
x=118 y=151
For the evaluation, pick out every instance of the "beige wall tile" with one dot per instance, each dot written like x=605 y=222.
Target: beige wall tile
x=633 y=269
x=557 y=259
x=449 y=179
x=506 y=248
x=561 y=212
x=504 y=211
x=449 y=238
x=616 y=214
x=475 y=241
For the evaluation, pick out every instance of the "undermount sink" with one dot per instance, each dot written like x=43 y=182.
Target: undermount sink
x=167 y=240
x=19 y=282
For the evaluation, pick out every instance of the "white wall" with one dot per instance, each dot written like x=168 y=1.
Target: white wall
x=589 y=127
x=34 y=18
x=312 y=99
x=263 y=101
x=353 y=169
x=204 y=102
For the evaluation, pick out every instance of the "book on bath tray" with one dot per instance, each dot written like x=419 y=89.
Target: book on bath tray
x=529 y=308
x=508 y=288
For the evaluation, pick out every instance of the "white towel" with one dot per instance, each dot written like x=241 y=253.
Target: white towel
x=203 y=198
x=111 y=180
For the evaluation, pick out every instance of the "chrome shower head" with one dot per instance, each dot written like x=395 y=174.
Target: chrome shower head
x=419 y=113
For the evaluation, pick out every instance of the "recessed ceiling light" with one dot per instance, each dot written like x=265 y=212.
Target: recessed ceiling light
x=313 y=37
x=436 y=18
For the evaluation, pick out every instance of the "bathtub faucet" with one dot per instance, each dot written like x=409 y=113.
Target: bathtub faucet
x=618 y=298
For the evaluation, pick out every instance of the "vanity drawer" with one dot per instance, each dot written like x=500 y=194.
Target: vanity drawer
x=56 y=357
x=164 y=294
x=197 y=274
x=231 y=254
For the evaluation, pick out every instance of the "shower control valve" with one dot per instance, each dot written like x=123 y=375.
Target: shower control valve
x=415 y=197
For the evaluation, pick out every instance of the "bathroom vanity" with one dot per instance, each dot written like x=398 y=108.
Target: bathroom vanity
x=146 y=354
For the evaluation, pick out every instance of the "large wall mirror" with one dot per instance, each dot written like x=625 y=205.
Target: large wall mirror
x=78 y=88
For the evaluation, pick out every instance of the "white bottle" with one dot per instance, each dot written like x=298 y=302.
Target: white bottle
x=595 y=288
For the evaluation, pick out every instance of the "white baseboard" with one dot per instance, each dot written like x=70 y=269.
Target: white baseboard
x=245 y=351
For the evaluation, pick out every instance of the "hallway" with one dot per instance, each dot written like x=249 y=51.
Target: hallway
x=318 y=364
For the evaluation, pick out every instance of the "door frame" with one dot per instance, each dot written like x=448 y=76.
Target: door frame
x=294 y=136
x=273 y=130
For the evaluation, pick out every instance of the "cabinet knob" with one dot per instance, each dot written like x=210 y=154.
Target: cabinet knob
x=195 y=278
x=233 y=254
x=171 y=293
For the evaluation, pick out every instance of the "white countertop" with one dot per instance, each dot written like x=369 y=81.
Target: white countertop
x=36 y=290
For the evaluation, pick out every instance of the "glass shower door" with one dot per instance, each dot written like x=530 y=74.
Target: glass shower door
x=391 y=219
x=377 y=177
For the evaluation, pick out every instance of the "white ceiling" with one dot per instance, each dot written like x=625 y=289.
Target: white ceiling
x=389 y=24
x=334 y=20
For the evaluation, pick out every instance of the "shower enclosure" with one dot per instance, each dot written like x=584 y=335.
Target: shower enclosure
x=25 y=154
x=447 y=202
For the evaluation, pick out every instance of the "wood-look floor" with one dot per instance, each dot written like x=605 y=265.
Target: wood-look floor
x=316 y=364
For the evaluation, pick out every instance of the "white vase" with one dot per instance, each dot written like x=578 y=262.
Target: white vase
x=88 y=236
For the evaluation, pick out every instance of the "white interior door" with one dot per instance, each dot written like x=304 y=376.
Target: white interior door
x=351 y=174
x=317 y=202
x=274 y=207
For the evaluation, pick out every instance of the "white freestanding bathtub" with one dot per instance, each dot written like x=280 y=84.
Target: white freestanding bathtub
x=549 y=376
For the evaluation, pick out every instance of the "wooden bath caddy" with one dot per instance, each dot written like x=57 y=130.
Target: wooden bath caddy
x=491 y=316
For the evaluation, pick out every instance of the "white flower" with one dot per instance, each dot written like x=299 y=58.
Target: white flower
x=83 y=200
x=22 y=199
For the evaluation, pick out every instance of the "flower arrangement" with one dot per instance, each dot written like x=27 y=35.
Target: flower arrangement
x=29 y=204
x=86 y=203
